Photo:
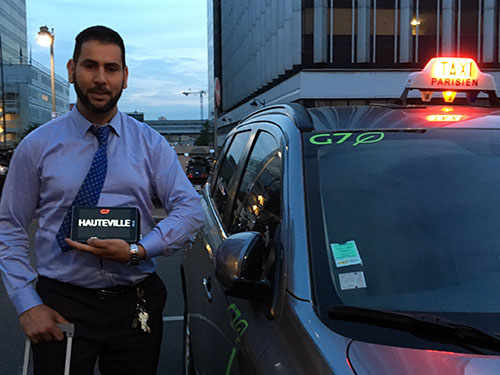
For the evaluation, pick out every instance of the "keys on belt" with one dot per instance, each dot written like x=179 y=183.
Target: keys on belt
x=141 y=315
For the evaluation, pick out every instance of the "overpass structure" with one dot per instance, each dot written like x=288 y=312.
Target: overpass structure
x=178 y=131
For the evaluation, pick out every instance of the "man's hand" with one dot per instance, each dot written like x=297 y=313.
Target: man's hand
x=40 y=324
x=112 y=249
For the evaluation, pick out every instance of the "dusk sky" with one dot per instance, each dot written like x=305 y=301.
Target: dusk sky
x=165 y=43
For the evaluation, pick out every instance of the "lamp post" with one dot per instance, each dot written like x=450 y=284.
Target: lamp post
x=46 y=39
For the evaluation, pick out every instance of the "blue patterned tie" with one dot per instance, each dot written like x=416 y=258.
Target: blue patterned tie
x=89 y=192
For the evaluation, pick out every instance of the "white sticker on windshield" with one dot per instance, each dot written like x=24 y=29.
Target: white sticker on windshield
x=352 y=280
x=346 y=254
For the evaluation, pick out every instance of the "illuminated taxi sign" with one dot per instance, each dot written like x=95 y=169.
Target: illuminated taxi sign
x=450 y=75
x=454 y=72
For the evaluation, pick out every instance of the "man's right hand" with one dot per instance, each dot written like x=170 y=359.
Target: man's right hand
x=40 y=324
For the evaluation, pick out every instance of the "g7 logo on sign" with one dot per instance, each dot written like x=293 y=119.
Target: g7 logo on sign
x=363 y=138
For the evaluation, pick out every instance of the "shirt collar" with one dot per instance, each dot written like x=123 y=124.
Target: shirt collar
x=83 y=125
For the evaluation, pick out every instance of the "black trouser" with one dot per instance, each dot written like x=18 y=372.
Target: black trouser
x=103 y=329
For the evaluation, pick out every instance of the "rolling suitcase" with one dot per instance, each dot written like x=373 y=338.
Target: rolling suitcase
x=68 y=330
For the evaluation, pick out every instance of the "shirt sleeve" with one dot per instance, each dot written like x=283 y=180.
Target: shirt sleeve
x=17 y=207
x=182 y=204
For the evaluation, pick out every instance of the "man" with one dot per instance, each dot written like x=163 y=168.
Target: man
x=104 y=285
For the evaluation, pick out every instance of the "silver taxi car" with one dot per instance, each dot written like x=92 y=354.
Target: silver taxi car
x=351 y=240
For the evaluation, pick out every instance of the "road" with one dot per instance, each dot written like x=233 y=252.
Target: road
x=12 y=338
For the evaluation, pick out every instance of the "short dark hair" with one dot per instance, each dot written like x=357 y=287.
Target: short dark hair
x=102 y=34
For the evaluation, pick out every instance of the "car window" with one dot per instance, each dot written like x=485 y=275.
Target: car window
x=226 y=179
x=257 y=204
x=412 y=218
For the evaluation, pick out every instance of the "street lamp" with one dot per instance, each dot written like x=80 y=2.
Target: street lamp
x=46 y=39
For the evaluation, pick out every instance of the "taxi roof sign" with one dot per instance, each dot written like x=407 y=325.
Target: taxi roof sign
x=450 y=74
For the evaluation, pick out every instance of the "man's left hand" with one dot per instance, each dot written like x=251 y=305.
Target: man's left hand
x=112 y=249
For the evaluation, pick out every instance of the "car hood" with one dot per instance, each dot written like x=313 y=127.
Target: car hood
x=375 y=359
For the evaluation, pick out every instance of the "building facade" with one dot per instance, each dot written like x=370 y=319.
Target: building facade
x=26 y=85
x=339 y=51
x=13 y=31
x=28 y=97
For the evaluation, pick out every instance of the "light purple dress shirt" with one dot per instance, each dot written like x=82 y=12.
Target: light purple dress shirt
x=45 y=174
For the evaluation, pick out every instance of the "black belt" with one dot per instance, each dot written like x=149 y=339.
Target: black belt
x=102 y=293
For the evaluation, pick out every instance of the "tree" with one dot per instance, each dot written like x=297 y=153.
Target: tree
x=204 y=138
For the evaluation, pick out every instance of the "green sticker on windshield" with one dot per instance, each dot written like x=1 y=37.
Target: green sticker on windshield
x=346 y=254
x=339 y=138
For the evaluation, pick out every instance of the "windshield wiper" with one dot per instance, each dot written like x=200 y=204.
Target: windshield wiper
x=427 y=326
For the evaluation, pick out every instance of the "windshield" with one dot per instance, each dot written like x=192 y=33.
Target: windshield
x=406 y=220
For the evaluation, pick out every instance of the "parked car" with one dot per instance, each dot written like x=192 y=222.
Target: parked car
x=350 y=240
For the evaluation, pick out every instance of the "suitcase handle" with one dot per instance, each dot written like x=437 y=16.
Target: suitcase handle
x=69 y=331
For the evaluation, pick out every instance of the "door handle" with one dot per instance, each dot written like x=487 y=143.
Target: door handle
x=207 y=285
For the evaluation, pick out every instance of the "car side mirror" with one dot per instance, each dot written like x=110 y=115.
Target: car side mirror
x=239 y=263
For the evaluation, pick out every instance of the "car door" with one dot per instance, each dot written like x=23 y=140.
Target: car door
x=212 y=338
x=257 y=206
x=246 y=196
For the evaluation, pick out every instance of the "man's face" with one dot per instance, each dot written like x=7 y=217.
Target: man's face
x=99 y=77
